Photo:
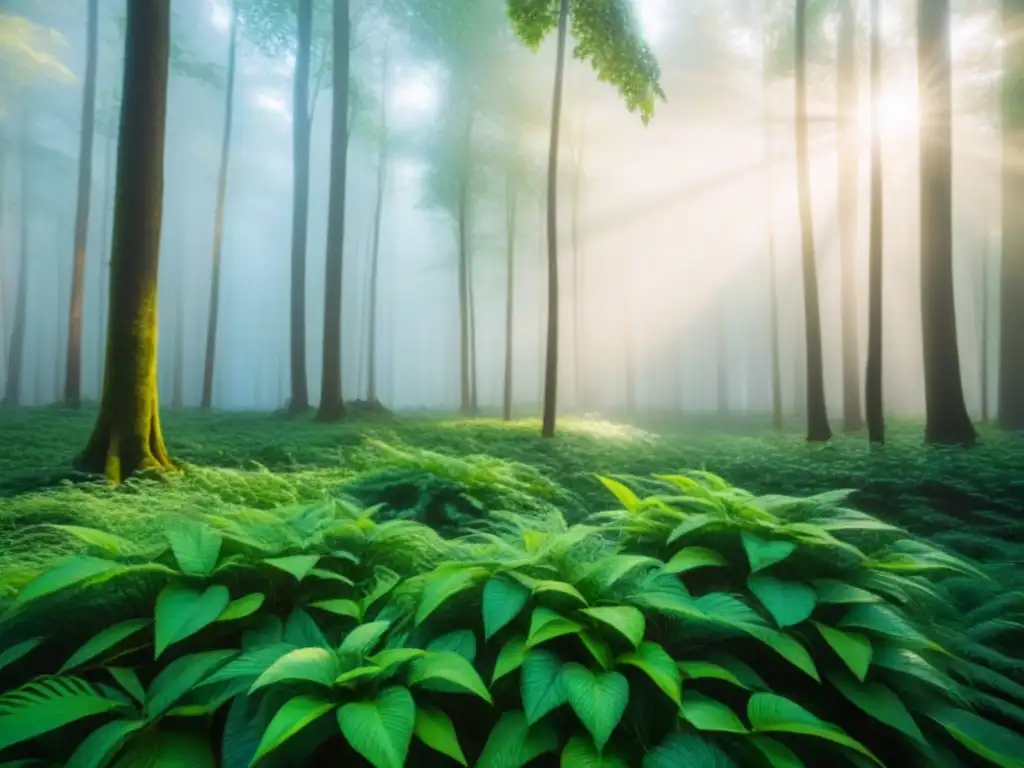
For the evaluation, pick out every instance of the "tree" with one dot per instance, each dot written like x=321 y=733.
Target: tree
x=947 y=420
x=769 y=158
x=818 y=429
x=1011 y=279
x=510 y=291
x=378 y=215
x=332 y=405
x=218 y=225
x=127 y=436
x=607 y=34
x=16 y=349
x=873 y=376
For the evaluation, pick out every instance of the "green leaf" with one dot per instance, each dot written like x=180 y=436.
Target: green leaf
x=626 y=620
x=451 y=668
x=694 y=522
x=542 y=686
x=776 y=753
x=789 y=602
x=299 y=566
x=854 y=650
x=597 y=648
x=340 y=607
x=994 y=743
x=762 y=553
x=883 y=621
x=394 y=657
x=878 y=701
x=706 y=714
x=380 y=729
x=599 y=701
x=687 y=749
x=559 y=587
x=629 y=500
x=129 y=680
x=831 y=592
x=316 y=665
x=242 y=607
x=363 y=638
x=352 y=676
x=19 y=651
x=654 y=661
x=45 y=705
x=510 y=658
x=69 y=573
x=103 y=641
x=326 y=575
x=787 y=647
x=183 y=611
x=705 y=670
x=384 y=580
x=691 y=558
x=461 y=641
x=769 y=713
x=444 y=587
x=435 y=729
x=179 y=677
x=167 y=749
x=108 y=542
x=196 y=546
x=580 y=752
x=546 y=625
x=512 y=743
x=613 y=569
x=98 y=748
x=294 y=715
x=503 y=600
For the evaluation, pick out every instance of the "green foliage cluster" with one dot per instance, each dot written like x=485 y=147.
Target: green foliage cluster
x=700 y=625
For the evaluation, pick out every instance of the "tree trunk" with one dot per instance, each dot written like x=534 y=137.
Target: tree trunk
x=510 y=290
x=873 y=376
x=474 y=403
x=773 y=289
x=16 y=349
x=551 y=361
x=849 y=171
x=300 y=205
x=332 y=404
x=178 y=361
x=577 y=272
x=1011 y=279
x=983 y=341
x=127 y=436
x=378 y=215
x=106 y=225
x=218 y=220
x=465 y=394
x=947 y=420
x=73 y=372
x=818 y=429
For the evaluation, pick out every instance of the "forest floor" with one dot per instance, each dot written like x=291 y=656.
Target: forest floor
x=440 y=470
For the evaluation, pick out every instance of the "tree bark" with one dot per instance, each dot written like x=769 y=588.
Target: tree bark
x=1010 y=404
x=947 y=420
x=332 y=404
x=16 y=348
x=127 y=437
x=218 y=218
x=378 y=215
x=551 y=360
x=778 y=421
x=873 y=398
x=73 y=371
x=300 y=205
x=577 y=271
x=106 y=226
x=818 y=429
x=510 y=283
x=849 y=170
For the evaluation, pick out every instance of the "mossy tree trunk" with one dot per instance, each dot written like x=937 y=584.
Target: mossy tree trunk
x=127 y=437
x=104 y=270
x=947 y=420
x=73 y=369
x=873 y=400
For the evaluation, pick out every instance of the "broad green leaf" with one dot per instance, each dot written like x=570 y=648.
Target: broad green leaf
x=597 y=648
x=510 y=657
x=380 y=729
x=294 y=715
x=743 y=671
x=361 y=640
x=546 y=625
x=179 y=677
x=513 y=743
x=776 y=753
x=705 y=670
x=789 y=602
x=831 y=591
x=599 y=701
x=242 y=607
x=687 y=749
x=316 y=665
x=98 y=748
x=129 y=680
x=384 y=580
x=45 y=705
x=654 y=661
x=542 y=686
x=769 y=713
x=444 y=587
x=706 y=714
x=70 y=572
x=878 y=701
x=390 y=658
x=762 y=553
x=612 y=569
x=691 y=558
x=787 y=647
x=435 y=729
x=694 y=522
x=854 y=650
x=196 y=546
x=580 y=752
x=19 y=651
x=353 y=676
x=451 y=668
x=340 y=607
x=108 y=542
x=328 y=575
x=503 y=600
x=626 y=620
x=299 y=566
x=461 y=641
x=994 y=743
x=882 y=620
x=548 y=586
x=182 y=611
x=629 y=500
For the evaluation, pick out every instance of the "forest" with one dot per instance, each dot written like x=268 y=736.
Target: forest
x=506 y=383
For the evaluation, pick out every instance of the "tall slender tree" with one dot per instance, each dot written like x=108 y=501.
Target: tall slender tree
x=73 y=371
x=218 y=216
x=510 y=292
x=769 y=160
x=16 y=347
x=947 y=420
x=378 y=216
x=873 y=398
x=127 y=436
x=983 y=335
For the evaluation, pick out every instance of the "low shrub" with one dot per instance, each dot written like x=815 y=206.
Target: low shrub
x=696 y=626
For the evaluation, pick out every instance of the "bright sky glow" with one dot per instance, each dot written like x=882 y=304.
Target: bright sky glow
x=898 y=115
x=220 y=14
x=271 y=102
x=414 y=94
x=653 y=18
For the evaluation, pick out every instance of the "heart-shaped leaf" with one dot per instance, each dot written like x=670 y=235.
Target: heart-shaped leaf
x=542 y=686
x=789 y=602
x=182 y=611
x=655 y=662
x=626 y=620
x=762 y=553
x=435 y=729
x=599 y=701
x=380 y=729
x=294 y=715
